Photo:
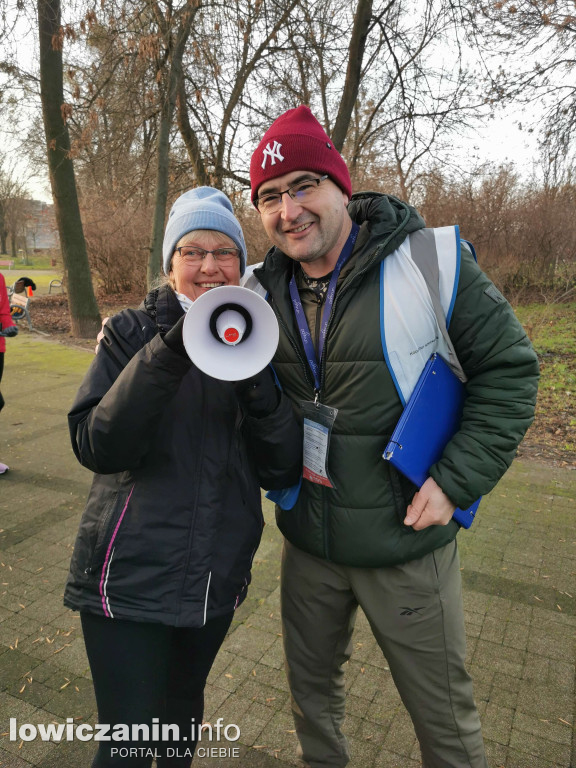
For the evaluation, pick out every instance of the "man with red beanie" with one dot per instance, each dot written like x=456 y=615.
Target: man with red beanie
x=346 y=279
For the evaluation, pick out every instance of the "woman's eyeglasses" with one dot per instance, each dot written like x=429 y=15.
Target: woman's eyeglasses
x=190 y=254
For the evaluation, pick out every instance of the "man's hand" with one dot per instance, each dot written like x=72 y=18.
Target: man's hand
x=430 y=506
x=100 y=334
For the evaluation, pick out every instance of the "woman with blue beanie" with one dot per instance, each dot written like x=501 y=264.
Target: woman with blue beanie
x=173 y=518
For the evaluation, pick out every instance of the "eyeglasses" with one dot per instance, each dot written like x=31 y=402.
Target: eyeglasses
x=302 y=192
x=191 y=255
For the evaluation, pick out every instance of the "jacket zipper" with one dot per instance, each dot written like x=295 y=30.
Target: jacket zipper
x=102 y=539
x=325 y=508
x=319 y=305
x=345 y=287
x=193 y=521
x=316 y=393
x=357 y=275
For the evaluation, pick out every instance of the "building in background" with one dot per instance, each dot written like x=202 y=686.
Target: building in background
x=41 y=232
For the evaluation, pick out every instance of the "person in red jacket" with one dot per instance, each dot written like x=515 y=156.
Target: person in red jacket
x=7 y=328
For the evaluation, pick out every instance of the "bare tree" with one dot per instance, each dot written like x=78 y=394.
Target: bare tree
x=12 y=194
x=400 y=96
x=533 y=43
x=362 y=19
x=174 y=30
x=369 y=71
x=84 y=313
x=231 y=44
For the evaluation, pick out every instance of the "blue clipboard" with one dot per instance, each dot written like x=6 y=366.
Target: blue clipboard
x=431 y=417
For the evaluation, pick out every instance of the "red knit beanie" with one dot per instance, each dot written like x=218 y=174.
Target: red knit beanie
x=297 y=142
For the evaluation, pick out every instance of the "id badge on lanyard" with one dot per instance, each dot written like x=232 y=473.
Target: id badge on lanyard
x=318 y=418
x=318 y=422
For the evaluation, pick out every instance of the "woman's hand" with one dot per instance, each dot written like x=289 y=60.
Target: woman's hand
x=174 y=340
x=259 y=396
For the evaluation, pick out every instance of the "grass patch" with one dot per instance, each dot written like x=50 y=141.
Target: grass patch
x=43 y=281
x=551 y=327
x=552 y=330
x=27 y=354
x=35 y=261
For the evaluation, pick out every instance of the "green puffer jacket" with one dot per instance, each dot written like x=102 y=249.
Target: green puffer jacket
x=359 y=522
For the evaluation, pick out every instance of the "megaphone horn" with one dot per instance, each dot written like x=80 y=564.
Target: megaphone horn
x=230 y=333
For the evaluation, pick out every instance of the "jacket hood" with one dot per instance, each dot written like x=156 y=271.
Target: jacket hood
x=387 y=219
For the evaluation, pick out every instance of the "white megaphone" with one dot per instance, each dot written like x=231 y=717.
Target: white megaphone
x=230 y=333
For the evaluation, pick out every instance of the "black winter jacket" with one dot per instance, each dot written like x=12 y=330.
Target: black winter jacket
x=174 y=516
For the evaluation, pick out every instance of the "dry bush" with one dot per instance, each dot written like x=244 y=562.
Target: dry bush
x=524 y=233
x=257 y=242
x=117 y=237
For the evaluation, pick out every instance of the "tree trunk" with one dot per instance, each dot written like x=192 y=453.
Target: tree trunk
x=84 y=313
x=163 y=162
x=190 y=139
x=352 y=83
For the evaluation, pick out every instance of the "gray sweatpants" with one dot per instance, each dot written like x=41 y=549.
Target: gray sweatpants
x=415 y=612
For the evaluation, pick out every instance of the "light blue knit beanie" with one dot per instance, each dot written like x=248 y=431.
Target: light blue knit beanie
x=202 y=208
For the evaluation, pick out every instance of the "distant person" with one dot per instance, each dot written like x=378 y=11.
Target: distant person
x=345 y=279
x=173 y=520
x=23 y=284
x=8 y=328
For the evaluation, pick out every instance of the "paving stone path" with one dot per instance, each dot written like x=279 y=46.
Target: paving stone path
x=518 y=566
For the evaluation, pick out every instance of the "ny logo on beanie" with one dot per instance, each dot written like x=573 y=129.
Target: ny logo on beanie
x=273 y=153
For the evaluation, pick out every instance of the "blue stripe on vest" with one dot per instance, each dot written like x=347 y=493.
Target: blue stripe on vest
x=383 y=335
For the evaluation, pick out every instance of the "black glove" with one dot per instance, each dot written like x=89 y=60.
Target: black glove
x=10 y=331
x=174 y=338
x=259 y=395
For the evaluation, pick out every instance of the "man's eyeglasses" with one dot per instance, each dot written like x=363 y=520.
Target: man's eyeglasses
x=190 y=254
x=302 y=192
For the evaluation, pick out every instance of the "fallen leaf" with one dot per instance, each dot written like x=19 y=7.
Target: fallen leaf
x=61 y=649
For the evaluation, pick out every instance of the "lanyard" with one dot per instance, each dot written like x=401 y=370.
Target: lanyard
x=313 y=358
